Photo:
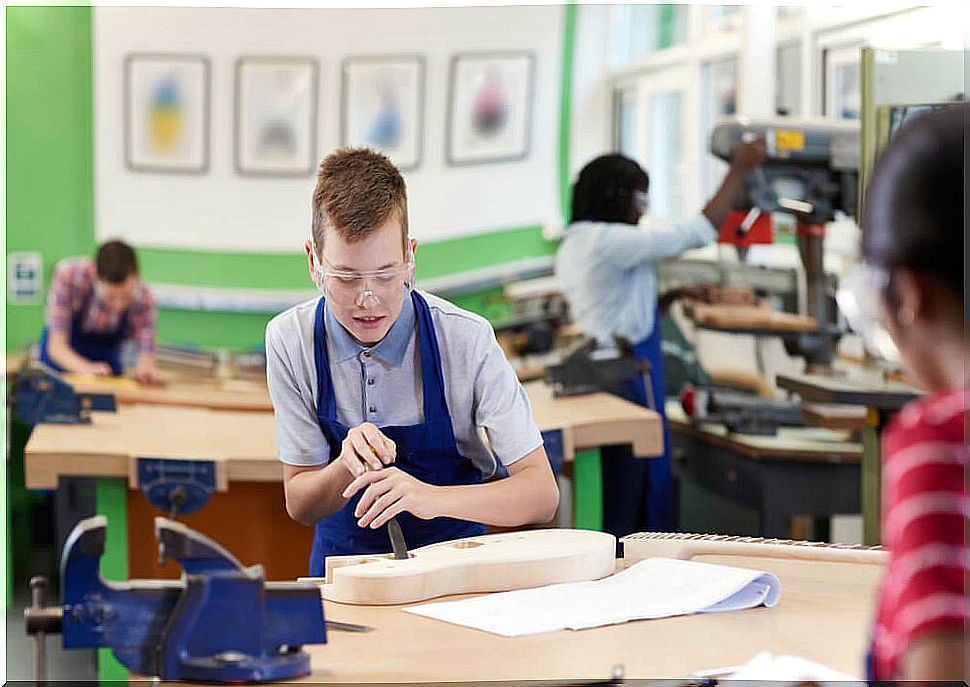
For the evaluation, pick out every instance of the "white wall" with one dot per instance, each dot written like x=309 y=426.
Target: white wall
x=221 y=210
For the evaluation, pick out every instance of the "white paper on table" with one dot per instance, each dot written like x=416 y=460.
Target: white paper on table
x=652 y=588
x=791 y=669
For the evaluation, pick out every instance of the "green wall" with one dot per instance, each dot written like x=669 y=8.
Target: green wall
x=50 y=184
x=50 y=193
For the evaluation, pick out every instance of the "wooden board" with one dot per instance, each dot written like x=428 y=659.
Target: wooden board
x=835 y=416
x=489 y=563
x=249 y=519
x=686 y=546
x=245 y=441
x=200 y=392
x=824 y=615
x=732 y=317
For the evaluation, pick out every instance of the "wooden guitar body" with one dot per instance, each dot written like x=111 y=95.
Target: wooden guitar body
x=489 y=563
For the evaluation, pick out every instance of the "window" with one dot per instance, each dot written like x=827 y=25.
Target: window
x=625 y=123
x=719 y=82
x=722 y=17
x=843 y=95
x=639 y=30
x=665 y=156
x=788 y=82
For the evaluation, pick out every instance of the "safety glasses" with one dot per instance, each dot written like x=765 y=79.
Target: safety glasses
x=641 y=200
x=348 y=288
x=859 y=297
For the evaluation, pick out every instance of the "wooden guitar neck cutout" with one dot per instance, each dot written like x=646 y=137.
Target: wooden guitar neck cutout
x=489 y=563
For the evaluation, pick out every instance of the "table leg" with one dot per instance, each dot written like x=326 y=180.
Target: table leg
x=112 y=500
x=587 y=491
x=869 y=435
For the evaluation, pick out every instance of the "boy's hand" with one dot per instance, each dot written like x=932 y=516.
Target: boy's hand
x=390 y=491
x=366 y=448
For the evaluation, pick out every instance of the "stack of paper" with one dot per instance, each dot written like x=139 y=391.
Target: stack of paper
x=653 y=588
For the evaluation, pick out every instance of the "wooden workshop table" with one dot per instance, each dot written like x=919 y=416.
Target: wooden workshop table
x=185 y=390
x=882 y=400
x=799 y=471
x=248 y=516
x=824 y=615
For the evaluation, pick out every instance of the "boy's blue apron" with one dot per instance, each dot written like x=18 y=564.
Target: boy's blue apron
x=101 y=347
x=636 y=491
x=426 y=451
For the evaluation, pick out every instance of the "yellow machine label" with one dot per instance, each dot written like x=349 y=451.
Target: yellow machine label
x=790 y=140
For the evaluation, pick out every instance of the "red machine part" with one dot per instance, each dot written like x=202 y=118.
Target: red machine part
x=760 y=231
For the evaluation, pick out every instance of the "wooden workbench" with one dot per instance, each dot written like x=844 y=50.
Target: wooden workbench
x=249 y=517
x=184 y=391
x=799 y=471
x=882 y=399
x=824 y=615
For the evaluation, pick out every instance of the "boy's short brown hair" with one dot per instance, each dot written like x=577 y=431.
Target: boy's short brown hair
x=357 y=190
x=115 y=262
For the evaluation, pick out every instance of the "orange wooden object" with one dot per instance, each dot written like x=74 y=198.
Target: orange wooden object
x=249 y=520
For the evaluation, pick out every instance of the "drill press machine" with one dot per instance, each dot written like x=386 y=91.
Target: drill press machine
x=810 y=171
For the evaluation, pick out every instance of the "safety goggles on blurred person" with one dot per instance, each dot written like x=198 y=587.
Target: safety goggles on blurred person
x=641 y=201
x=860 y=295
x=347 y=287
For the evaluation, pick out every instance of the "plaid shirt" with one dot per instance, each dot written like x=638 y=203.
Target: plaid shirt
x=73 y=282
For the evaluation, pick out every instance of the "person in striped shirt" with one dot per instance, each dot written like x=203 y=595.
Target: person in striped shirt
x=95 y=305
x=913 y=247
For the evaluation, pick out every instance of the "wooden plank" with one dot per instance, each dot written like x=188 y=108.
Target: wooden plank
x=730 y=317
x=250 y=520
x=490 y=563
x=105 y=447
x=408 y=648
x=835 y=416
x=200 y=392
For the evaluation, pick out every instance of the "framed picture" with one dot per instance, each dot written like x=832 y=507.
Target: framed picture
x=490 y=107
x=383 y=106
x=276 y=116
x=167 y=113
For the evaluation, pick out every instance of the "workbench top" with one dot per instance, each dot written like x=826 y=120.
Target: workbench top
x=245 y=441
x=823 y=615
x=812 y=444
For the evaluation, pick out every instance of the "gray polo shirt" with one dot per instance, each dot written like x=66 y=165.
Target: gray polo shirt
x=382 y=384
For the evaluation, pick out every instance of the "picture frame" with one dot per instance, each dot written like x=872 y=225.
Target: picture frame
x=276 y=116
x=490 y=101
x=166 y=113
x=382 y=106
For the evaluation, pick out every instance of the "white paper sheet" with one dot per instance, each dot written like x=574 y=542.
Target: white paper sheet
x=652 y=588
x=789 y=669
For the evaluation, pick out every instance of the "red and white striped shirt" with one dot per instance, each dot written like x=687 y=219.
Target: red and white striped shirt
x=925 y=518
x=72 y=284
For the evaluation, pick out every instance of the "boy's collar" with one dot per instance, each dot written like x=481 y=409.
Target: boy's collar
x=390 y=349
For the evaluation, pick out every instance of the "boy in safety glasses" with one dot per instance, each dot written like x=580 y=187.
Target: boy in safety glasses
x=380 y=390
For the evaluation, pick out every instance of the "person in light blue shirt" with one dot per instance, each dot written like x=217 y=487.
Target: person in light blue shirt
x=607 y=267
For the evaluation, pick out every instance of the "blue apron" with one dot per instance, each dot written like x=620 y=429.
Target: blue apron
x=426 y=451
x=636 y=491
x=101 y=347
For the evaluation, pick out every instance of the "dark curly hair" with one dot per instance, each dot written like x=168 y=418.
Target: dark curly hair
x=604 y=190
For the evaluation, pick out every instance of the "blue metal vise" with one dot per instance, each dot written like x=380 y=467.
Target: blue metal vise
x=221 y=622
x=42 y=397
